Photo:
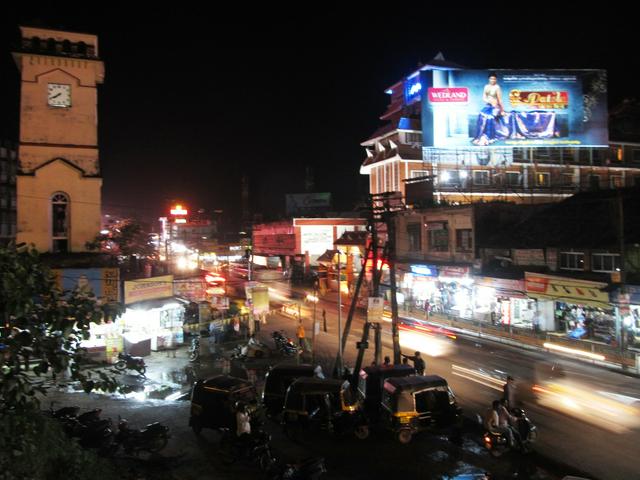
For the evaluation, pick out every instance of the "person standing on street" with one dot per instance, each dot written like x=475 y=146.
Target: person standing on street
x=418 y=362
x=300 y=334
x=324 y=320
x=509 y=392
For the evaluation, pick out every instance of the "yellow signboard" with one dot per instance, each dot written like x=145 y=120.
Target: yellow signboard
x=148 y=289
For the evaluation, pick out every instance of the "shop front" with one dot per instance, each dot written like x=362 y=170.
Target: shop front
x=578 y=308
x=628 y=309
x=502 y=301
x=153 y=320
x=438 y=289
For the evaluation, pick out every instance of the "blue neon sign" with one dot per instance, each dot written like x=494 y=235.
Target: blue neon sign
x=424 y=270
x=412 y=89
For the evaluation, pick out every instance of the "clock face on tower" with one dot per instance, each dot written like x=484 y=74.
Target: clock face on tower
x=59 y=95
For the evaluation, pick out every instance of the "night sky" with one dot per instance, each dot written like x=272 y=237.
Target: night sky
x=195 y=97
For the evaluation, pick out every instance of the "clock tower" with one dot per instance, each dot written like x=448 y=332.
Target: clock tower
x=58 y=180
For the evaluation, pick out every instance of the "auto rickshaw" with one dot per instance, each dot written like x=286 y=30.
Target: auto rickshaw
x=417 y=403
x=213 y=402
x=370 y=383
x=276 y=383
x=317 y=404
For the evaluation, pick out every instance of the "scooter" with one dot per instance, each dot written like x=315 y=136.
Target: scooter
x=151 y=439
x=129 y=362
x=497 y=443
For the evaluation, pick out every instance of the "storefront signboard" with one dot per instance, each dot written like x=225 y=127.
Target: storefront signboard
x=568 y=290
x=504 y=286
x=454 y=272
x=529 y=256
x=424 y=270
x=148 y=289
x=103 y=283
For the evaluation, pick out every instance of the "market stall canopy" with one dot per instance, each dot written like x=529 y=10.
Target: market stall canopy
x=353 y=238
x=327 y=256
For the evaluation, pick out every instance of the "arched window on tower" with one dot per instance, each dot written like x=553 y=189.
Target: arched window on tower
x=60 y=222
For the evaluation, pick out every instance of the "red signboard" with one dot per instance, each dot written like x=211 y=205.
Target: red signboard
x=448 y=95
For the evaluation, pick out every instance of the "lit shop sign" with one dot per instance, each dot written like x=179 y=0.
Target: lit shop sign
x=412 y=90
x=424 y=270
x=542 y=100
x=448 y=95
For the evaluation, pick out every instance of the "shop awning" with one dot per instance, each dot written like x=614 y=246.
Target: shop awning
x=568 y=290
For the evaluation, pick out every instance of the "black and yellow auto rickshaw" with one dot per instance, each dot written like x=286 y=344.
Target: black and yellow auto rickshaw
x=317 y=404
x=417 y=403
x=370 y=383
x=213 y=402
x=276 y=383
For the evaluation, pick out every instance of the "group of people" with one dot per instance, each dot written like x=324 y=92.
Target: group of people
x=498 y=419
x=418 y=362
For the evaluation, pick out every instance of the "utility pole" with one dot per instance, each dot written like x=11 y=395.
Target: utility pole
x=395 y=334
x=315 y=326
x=339 y=366
x=623 y=292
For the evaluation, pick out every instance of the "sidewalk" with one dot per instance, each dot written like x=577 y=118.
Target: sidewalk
x=595 y=353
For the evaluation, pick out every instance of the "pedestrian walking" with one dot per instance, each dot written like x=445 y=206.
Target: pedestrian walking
x=300 y=334
x=324 y=320
x=418 y=362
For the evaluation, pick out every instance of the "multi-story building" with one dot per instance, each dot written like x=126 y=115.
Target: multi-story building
x=8 y=165
x=516 y=173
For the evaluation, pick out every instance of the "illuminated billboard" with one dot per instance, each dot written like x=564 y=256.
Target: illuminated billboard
x=512 y=108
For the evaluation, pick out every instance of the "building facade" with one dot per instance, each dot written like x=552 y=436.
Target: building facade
x=8 y=166
x=58 y=177
x=396 y=155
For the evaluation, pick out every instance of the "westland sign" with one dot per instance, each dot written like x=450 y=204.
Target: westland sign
x=448 y=95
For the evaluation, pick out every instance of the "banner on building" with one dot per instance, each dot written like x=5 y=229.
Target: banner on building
x=503 y=286
x=507 y=108
x=568 y=290
x=148 y=289
x=101 y=283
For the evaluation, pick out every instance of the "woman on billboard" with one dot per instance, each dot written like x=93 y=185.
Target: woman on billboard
x=491 y=124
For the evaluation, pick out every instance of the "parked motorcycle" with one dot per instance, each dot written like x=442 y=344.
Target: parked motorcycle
x=129 y=362
x=307 y=469
x=253 y=349
x=256 y=449
x=285 y=345
x=497 y=443
x=194 y=349
x=89 y=428
x=151 y=439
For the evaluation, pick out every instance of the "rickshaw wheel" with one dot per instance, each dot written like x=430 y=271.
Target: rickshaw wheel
x=404 y=436
x=361 y=432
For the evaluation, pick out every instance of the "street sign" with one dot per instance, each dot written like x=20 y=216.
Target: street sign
x=375 y=309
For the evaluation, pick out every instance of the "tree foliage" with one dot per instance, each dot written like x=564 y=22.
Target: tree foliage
x=43 y=331
x=126 y=238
